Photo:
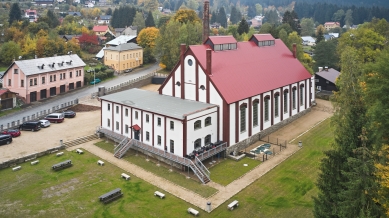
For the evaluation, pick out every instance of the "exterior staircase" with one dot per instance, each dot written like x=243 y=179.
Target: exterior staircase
x=80 y=140
x=122 y=148
x=200 y=173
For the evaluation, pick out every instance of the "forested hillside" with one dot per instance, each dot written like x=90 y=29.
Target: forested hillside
x=360 y=3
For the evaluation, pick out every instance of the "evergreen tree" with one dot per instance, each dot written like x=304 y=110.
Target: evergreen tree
x=222 y=17
x=319 y=34
x=108 y=12
x=149 y=20
x=15 y=14
x=243 y=27
x=213 y=17
x=251 y=11
x=234 y=15
x=325 y=55
x=139 y=21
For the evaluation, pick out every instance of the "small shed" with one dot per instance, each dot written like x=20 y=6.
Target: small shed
x=7 y=99
x=325 y=79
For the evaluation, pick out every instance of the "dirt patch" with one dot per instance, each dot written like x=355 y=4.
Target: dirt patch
x=84 y=108
x=60 y=189
x=151 y=87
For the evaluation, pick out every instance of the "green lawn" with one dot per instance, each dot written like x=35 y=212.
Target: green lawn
x=163 y=171
x=37 y=191
x=287 y=190
x=229 y=170
x=10 y=111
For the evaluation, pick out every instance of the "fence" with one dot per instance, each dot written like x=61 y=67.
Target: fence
x=38 y=115
x=276 y=144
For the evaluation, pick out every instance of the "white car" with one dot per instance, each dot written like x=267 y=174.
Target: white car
x=44 y=123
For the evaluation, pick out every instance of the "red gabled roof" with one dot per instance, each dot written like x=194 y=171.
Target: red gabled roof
x=135 y=127
x=250 y=70
x=2 y=91
x=263 y=37
x=216 y=40
x=331 y=23
x=100 y=28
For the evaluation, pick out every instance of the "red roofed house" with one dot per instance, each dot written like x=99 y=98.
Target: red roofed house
x=331 y=25
x=100 y=30
x=256 y=84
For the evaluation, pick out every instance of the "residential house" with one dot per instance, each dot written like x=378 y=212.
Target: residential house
x=104 y=19
x=7 y=99
x=331 y=25
x=101 y=30
x=308 y=40
x=103 y=3
x=124 y=56
x=335 y=35
x=127 y=31
x=215 y=25
x=44 y=2
x=74 y=13
x=115 y=42
x=326 y=79
x=256 y=22
x=89 y=4
x=70 y=37
x=328 y=37
x=31 y=15
x=37 y=79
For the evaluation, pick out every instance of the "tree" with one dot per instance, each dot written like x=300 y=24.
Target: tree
x=186 y=15
x=147 y=40
x=151 y=5
x=283 y=35
x=9 y=51
x=271 y=16
x=234 y=15
x=251 y=11
x=15 y=14
x=307 y=27
x=139 y=21
x=326 y=55
x=348 y=18
x=319 y=33
x=291 y=18
x=338 y=15
x=258 y=9
x=108 y=12
x=149 y=20
x=192 y=4
x=213 y=17
x=383 y=175
x=222 y=17
x=243 y=27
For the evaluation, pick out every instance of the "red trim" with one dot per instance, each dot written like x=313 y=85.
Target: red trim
x=272 y=108
x=250 y=117
x=141 y=124
x=282 y=104
x=182 y=60
x=207 y=91
x=121 y=113
x=173 y=84
x=298 y=97
x=152 y=127
x=305 y=95
x=164 y=134
x=290 y=100
x=194 y=118
x=136 y=127
x=261 y=117
x=101 y=114
x=113 y=120
x=218 y=126
x=226 y=122
x=197 y=82
x=184 y=145
x=131 y=120
x=236 y=122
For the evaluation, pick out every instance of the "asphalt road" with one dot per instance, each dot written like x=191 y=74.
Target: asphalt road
x=76 y=94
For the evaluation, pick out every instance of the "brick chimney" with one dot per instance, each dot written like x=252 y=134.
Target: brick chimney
x=326 y=68
x=294 y=50
x=209 y=61
x=206 y=20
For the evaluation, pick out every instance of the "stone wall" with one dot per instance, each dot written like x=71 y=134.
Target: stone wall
x=254 y=138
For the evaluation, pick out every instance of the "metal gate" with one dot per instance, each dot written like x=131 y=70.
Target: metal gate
x=62 y=89
x=32 y=96
x=53 y=91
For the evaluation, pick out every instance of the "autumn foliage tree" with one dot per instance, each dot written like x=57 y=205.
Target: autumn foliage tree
x=147 y=39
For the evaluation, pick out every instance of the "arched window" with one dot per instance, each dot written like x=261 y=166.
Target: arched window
x=207 y=121
x=207 y=140
x=197 y=144
x=276 y=104
x=294 y=97
x=197 y=125
x=267 y=100
x=243 y=117
x=302 y=95
x=255 y=112
x=286 y=92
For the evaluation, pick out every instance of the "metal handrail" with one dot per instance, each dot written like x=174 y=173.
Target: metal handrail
x=212 y=151
x=202 y=167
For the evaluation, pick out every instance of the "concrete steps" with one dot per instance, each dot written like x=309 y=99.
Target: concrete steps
x=80 y=140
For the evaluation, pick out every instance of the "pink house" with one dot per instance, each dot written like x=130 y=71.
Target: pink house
x=37 y=79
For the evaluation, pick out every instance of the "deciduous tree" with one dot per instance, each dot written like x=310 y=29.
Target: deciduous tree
x=9 y=51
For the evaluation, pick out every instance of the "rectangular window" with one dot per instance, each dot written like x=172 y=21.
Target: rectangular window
x=117 y=125
x=108 y=122
x=147 y=136
x=171 y=146
x=286 y=102
x=159 y=121
x=9 y=82
x=126 y=112
x=276 y=97
x=64 y=75
x=55 y=77
x=16 y=71
x=117 y=109
x=70 y=74
x=301 y=95
x=43 y=80
x=126 y=129
x=294 y=98
x=31 y=84
x=267 y=109
x=255 y=113
x=136 y=114
x=172 y=125
x=22 y=83
x=51 y=78
x=60 y=76
x=109 y=107
x=35 y=81
x=242 y=119
x=159 y=140
x=147 y=118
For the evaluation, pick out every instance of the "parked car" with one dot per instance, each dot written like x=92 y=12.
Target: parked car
x=128 y=70
x=69 y=114
x=44 y=123
x=5 y=139
x=55 y=117
x=95 y=81
x=31 y=125
x=12 y=132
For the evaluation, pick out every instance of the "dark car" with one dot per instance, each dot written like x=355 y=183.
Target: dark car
x=32 y=125
x=5 y=139
x=69 y=114
x=12 y=132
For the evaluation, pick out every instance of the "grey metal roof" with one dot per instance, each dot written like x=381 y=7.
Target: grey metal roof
x=124 y=47
x=156 y=103
x=105 y=17
x=329 y=75
x=30 y=67
x=121 y=40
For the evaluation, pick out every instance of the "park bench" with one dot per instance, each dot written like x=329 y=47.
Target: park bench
x=79 y=151
x=100 y=162
x=193 y=211
x=233 y=204
x=34 y=162
x=16 y=168
x=159 y=194
x=59 y=154
x=125 y=176
x=62 y=165
x=110 y=196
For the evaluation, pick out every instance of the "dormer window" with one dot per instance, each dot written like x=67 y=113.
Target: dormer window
x=266 y=43
x=41 y=66
x=226 y=46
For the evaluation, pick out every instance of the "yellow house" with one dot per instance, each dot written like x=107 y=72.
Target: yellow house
x=123 y=56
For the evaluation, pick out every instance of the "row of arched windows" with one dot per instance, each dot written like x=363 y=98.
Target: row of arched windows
x=207 y=141
x=207 y=122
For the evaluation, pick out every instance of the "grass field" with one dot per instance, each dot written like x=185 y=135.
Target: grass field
x=36 y=191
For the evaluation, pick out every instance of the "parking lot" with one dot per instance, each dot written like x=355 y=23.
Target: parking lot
x=83 y=124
